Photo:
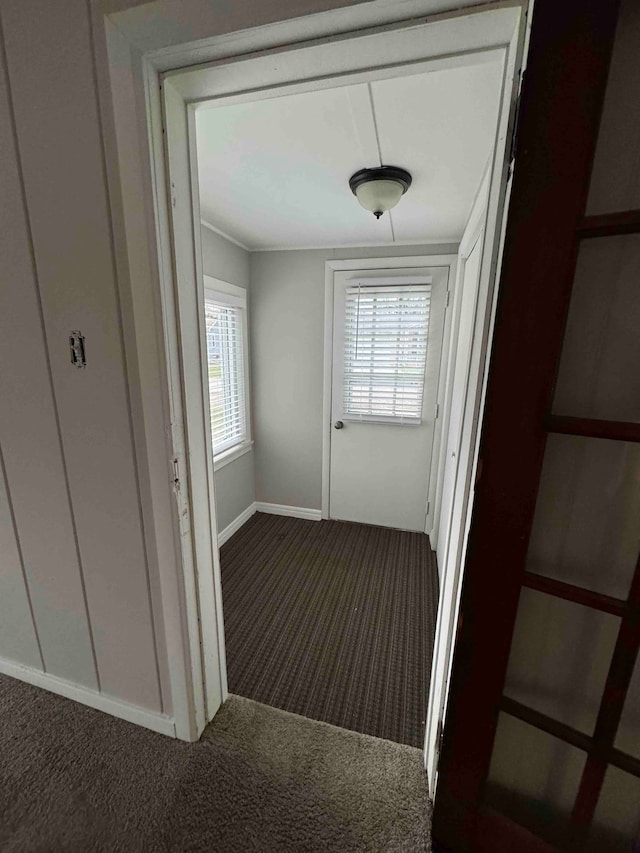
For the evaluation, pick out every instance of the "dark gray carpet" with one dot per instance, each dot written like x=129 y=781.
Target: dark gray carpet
x=332 y=620
x=74 y=779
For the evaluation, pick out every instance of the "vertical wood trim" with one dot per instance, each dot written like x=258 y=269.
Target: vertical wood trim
x=117 y=273
x=195 y=515
x=611 y=707
x=327 y=382
x=559 y=119
x=621 y=669
x=131 y=176
x=216 y=685
x=185 y=665
x=587 y=799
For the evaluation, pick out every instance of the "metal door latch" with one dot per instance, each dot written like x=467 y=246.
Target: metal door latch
x=76 y=345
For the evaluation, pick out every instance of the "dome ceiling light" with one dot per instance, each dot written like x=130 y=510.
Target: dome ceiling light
x=380 y=189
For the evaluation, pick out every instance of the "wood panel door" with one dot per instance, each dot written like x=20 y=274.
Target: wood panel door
x=541 y=743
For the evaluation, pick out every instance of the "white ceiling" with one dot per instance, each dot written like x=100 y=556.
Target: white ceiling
x=274 y=173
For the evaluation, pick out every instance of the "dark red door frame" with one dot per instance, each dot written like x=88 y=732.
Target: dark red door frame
x=559 y=116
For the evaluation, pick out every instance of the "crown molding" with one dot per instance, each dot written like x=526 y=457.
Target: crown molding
x=221 y=233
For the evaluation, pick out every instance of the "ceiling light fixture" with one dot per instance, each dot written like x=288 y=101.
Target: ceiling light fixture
x=380 y=189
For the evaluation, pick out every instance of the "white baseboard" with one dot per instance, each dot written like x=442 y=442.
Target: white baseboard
x=132 y=713
x=272 y=509
x=294 y=511
x=236 y=524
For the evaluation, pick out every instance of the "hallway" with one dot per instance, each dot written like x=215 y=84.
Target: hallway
x=332 y=620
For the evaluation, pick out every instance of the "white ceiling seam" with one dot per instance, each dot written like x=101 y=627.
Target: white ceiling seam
x=364 y=123
x=274 y=172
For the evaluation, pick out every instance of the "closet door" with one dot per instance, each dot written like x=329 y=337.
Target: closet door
x=541 y=748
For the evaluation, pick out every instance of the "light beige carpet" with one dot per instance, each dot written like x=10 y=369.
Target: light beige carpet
x=259 y=779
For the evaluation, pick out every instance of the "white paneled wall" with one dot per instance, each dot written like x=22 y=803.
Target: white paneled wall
x=71 y=532
x=35 y=503
x=17 y=630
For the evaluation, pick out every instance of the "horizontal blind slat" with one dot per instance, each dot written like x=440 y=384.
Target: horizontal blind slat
x=225 y=358
x=385 y=348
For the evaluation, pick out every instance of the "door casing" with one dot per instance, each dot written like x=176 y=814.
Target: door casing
x=132 y=75
x=448 y=537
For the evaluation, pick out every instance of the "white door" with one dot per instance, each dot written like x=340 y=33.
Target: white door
x=470 y=277
x=387 y=342
x=454 y=493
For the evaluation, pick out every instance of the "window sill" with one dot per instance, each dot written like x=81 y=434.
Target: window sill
x=231 y=454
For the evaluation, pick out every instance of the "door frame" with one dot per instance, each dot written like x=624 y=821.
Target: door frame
x=137 y=56
x=382 y=263
x=454 y=532
x=474 y=228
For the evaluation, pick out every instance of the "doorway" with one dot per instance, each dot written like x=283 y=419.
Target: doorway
x=499 y=35
x=295 y=610
x=386 y=349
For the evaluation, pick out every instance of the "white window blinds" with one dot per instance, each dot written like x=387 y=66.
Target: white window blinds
x=385 y=351
x=225 y=358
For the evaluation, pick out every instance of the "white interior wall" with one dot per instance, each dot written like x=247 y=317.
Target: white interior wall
x=287 y=357
x=234 y=483
x=31 y=453
x=76 y=549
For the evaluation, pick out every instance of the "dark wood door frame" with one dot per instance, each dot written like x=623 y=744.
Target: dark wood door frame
x=560 y=110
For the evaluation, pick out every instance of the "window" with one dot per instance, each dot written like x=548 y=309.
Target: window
x=385 y=351
x=225 y=309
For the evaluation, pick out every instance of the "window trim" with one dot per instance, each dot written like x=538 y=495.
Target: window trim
x=231 y=454
x=225 y=293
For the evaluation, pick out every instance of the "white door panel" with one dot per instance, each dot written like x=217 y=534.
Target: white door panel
x=454 y=493
x=380 y=464
x=461 y=374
